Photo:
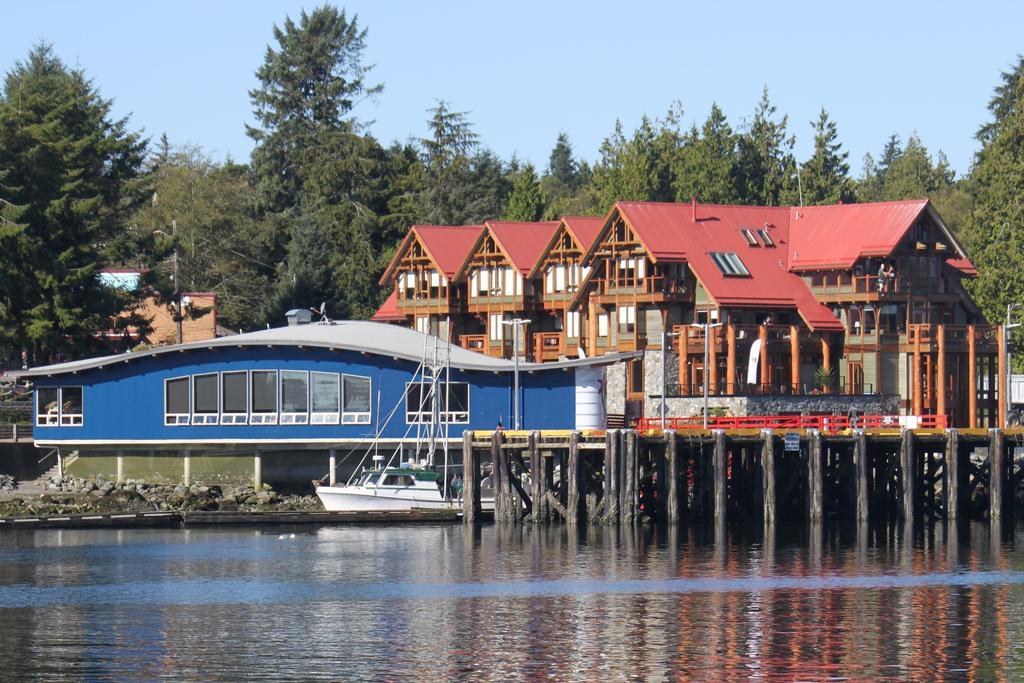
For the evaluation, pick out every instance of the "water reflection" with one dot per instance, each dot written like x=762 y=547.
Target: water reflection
x=512 y=603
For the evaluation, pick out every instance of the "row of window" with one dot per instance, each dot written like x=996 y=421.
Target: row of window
x=59 y=406
x=267 y=397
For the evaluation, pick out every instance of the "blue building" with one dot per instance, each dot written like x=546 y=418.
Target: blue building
x=285 y=396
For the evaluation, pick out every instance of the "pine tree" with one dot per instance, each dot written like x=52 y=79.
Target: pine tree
x=71 y=176
x=526 y=201
x=825 y=176
x=562 y=167
x=767 y=169
x=708 y=162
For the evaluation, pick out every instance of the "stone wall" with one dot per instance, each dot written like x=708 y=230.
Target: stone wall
x=615 y=389
x=823 y=403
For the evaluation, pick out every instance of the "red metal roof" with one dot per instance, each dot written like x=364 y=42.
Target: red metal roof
x=669 y=232
x=388 y=310
x=836 y=236
x=584 y=229
x=523 y=243
x=447 y=245
x=964 y=266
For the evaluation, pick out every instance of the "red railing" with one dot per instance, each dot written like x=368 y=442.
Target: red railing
x=825 y=423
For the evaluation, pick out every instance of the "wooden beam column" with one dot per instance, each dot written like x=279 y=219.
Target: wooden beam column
x=538 y=483
x=712 y=360
x=815 y=480
x=765 y=378
x=612 y=441
x=794 y=358
x=996 y=474
x=908 y=473
x=826 y=358
x=575 y=480
x=972 y=377
x=673 y=499
x=628 y=504
x=768 y=475
x=915 y=379
x=470 y=480
x=951 y=489
x=730 y=359
x=860 y=456
x=1001 y=380
x=684 y=361
x=940 y=371
x=718 y=475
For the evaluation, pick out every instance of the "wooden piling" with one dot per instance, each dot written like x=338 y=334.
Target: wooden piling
x=574 y=480
x=718 y=475
x=470 y=480
x=498 y=474
x=951 y=486
x=907 y=474
x=672 y=500
x=768 y=475
x=860 y=458
x=538 y=482
x=628 y=503
x=815 y=485
x=997 y=474
x=612 y=441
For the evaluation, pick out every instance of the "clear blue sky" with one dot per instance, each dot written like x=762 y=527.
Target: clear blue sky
x=526 y=70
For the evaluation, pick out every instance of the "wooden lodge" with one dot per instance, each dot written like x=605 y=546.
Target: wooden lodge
x=808 y=309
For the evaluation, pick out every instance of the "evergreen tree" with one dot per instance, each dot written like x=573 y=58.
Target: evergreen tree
x=70 y=176
x=825 y=176
x=767 y=168
x=562 y=167
x=707 y=167
x=912 y=175
x=526 y=201
x=308 y=87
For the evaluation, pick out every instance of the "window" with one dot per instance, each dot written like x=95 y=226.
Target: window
x=635 y=379
x=602 y=324
x=453 y=406
x=204 y=399
x=176 y=403
x=235 y=407
x=560 y=278
x=766 y=238
x=495 y=328
x=355 y=400
x=324 y=398
x=264 y=397
x=294 y=397
x=423 y=324
x=627 y=318
x=749 y=236
x=729 y=263
x=47 y=406
x=572 y=324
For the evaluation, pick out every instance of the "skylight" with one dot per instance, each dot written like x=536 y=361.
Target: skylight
x=749 y=236
x=766 y=238
x=729 y=263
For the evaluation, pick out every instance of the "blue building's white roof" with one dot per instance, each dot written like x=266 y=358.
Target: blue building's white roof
x=349 y=335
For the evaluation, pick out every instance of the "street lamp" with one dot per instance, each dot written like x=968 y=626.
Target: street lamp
x=1008 y=399
x=707 y=327
x=516 y=324
x=665 y=336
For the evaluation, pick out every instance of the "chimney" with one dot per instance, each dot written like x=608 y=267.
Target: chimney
x=298 y=316
x=693 y=207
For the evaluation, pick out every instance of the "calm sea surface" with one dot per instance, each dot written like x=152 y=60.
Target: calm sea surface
x=444 y=602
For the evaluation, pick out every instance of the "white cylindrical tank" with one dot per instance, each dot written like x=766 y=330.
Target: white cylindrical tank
x=590 y=383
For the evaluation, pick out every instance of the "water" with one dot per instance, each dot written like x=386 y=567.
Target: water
x=445 y=602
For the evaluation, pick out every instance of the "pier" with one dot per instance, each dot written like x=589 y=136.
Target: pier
x=744 y=476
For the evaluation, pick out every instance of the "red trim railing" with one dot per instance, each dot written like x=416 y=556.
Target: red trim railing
x=825 y=423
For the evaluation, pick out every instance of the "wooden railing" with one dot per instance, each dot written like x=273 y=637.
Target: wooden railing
x=473 y=342
x=826 y=423
x=651 y=284
x=548 y=346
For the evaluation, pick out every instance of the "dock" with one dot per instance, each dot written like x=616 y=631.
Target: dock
x=175 y=519
x=744 y=475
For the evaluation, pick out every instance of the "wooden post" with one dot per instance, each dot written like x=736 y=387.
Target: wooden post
x=826 y=358
x=672 y=501
x=768 y=474
x=718 y=474
x=907 y=474
x=765 y=377
x=860 y=457
x=572 y=505
x=257 y=469
x=730 y=359
x=470 y=480
x=972 y=377
x=1002 y=389
x=996 y=474
x=538 y=485
x=611 y=476
x=951 y=489
x=794 y=358
x=712 y=360
x=628 y=508
x=332 y=467
x=497 y=477
x=940 y=371
x=815 y=491
x=684 y=362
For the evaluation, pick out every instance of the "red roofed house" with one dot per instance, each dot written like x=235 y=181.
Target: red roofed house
x=803 y=323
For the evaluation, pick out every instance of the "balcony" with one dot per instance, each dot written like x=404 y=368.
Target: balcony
x=548 y=346
x=657 y=287
x=837 y=388
x=474 y=342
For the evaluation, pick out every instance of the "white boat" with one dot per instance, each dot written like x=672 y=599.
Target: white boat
x=389 y=489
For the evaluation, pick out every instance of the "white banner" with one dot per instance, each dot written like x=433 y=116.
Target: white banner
x=752 y=365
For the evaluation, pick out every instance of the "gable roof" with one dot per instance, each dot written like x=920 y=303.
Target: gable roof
x=388 y=310
x=582 y=229
x=671 y=233
x=522 y=243
x=448 y=246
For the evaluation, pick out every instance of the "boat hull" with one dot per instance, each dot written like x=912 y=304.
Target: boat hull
x=355 y=498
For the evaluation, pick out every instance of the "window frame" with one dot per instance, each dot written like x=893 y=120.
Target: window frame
x=354 y=417
x=50 y=418
x=291 y=418
x=178 y=419
x=321 y=417
x=445 y=416
x=263 y=417
x=765 y=237
x=748 y=235
x=729 y=264
x=72 y=419
x=204 y=418
x=234 y=418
